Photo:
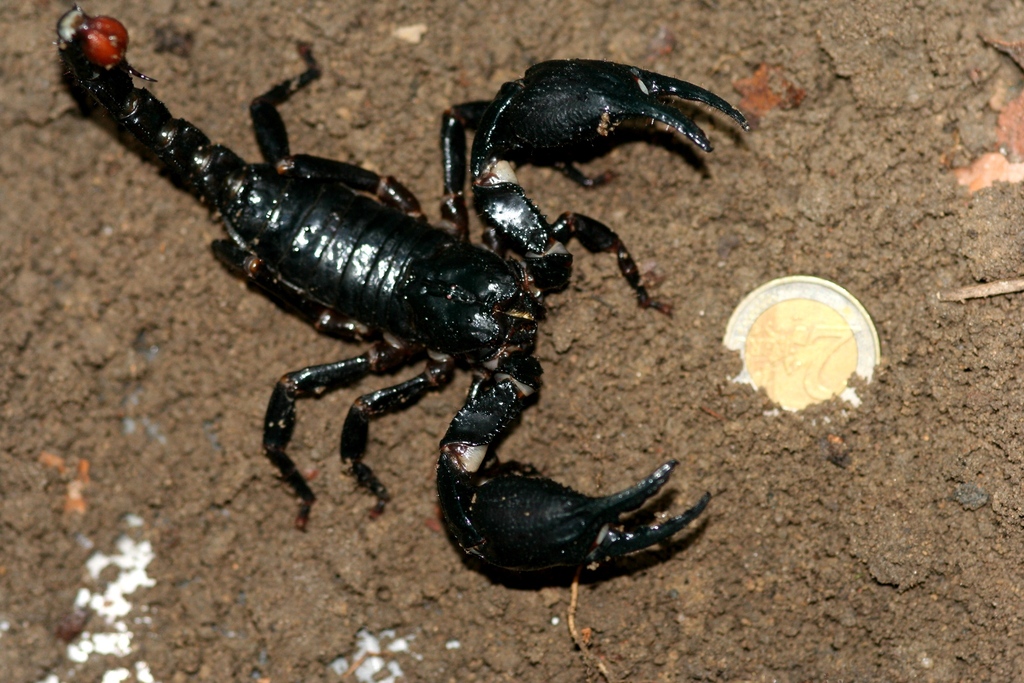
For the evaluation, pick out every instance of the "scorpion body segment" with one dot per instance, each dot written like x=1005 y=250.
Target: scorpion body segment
x=349 y=250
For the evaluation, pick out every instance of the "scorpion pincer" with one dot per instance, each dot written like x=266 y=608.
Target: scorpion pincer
x=350 y=251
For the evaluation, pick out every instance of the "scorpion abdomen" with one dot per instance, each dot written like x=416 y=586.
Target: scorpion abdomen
x=331 y=245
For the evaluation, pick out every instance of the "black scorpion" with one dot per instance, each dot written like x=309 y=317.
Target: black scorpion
x=304 y=229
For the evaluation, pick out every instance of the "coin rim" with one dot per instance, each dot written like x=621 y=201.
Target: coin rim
x=791 y=287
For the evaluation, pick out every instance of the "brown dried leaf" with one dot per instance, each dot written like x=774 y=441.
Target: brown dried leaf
x=47 y=459
x=1013 y=48
x=765 y=90
x=75 y=501
x=987 y=169
x=1010 y=129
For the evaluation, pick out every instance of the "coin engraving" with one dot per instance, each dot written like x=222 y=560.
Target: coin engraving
x=801 y=352
x=802 y=338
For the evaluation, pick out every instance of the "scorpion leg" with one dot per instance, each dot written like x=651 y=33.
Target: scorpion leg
x=518 y=220
x=353 y=436
x=530 y=522
x=315 y=381
x=595 y=237
x=280 y=418
x=385 y=188
x=570 y=171
x=271 y=134
x=454 y=123
x=272 y=138
x=325 y=320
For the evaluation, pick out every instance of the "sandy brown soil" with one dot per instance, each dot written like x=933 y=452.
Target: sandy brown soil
x=124 y=343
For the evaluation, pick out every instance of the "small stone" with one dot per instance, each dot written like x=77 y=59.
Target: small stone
x=410 y=34
x=970 y=495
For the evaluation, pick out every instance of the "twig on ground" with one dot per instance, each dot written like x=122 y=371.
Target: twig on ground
x=359 y=662
x=983 y=290
x=583 y=643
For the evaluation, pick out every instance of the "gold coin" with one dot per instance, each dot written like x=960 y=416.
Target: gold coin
x=802 y=338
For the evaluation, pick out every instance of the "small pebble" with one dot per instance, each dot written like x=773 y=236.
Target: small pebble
x=410 y=34
x=970 y=495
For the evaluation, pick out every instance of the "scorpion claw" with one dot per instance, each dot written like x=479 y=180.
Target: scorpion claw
x=615 y=543
x=526 y=523
x=592 y=98
x=666 y=85
x=633 y=497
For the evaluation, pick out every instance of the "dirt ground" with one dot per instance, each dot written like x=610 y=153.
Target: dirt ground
x=842 y=544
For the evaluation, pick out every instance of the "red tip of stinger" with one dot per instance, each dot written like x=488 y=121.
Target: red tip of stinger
x=104 y=40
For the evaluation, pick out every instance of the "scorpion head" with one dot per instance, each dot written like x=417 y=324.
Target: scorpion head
x=468 y=301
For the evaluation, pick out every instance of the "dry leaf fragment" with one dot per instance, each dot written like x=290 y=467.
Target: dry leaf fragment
x=995 y=167
x=410 y=34
x=1010 y=128
x=987 y=169
x=47 y=459
x=765 y=90
x=1013 y=48
x=72 y=624
x=75 y=501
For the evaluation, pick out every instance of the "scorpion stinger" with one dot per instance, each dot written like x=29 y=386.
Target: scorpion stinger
x=350 y=251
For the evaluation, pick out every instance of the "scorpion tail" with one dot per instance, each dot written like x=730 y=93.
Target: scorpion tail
x=93 y=49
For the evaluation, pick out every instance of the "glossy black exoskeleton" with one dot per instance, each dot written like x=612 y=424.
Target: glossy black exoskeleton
x=557 y=107
x=304 y=229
